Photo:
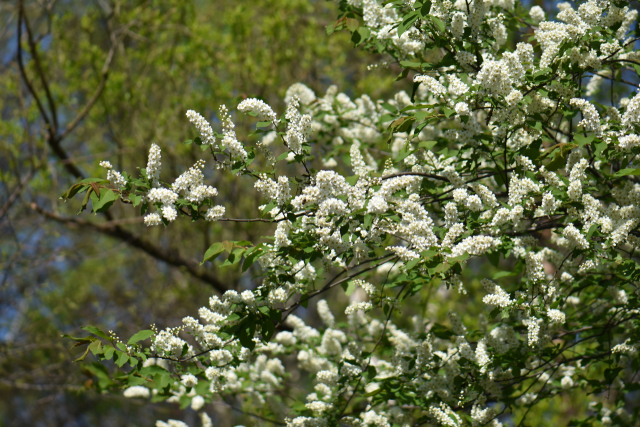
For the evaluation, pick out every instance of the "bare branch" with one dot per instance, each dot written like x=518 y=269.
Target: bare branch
x=113 y=229
x=36 y=59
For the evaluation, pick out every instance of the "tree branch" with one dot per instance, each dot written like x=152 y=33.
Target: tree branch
x=113 y=229
x=36 y=59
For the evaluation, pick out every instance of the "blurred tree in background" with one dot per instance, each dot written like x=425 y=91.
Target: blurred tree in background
x=85 y=81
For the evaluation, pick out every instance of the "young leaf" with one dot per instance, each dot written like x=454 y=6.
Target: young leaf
x=140 y=336
x=81 y=358
x=105 y=201
x=628 y=171
x=213 y=252
x=96 y=331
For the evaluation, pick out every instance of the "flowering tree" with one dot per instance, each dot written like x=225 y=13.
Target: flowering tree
x=497 y=154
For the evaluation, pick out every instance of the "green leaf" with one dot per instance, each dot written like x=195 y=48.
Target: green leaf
x=108 y=351
x=83 y=340
x=213 y=252
x=582 y=140
x=81 y=358
x=122 y=358
x=407 y=22
x=438 y=23
x=592 y=230
x=184 y=401
x=245 y=332
x=403 y=124
x=412 y=263
x=349 y=288
x=628 y=171
x=611 y=374
x=234 y=257
x=251 y=258
x=372 y=393
x=96 y=331
x=268 y=329
x=500 y=274
x=162 y=379
x=85 y=200
x=352 y=24
x=332 y=27
x=105 y=201
x=283 y=156
x=402 y=75
x=403 y=154
x=427 y=145
x=153 y=370
x=368 y=220
x=95 y=347
x=75 y=188
x=140 y=336
x=251 y=155
x=390 y=108
x=441 y=331
x=410 y=64
x=237 y=166
x=560 y=157
x=364 y=34
x=494 y=258
x=268 y=208
x=448 y=112
x=540 y=74
x=135 y=380
x=425 y=9
x=136 y=199
x=458 y=258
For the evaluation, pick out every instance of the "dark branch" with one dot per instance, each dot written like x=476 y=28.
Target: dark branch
x=114 y=230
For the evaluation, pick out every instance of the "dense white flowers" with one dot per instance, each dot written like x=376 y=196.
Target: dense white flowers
x=203 y=126
x=137 y=392
x=591 y=120
x=575 y=237
x=432 y=84
x=462 y=109
x=154 y=164
x=229 y=141
x=152 y=219
x=258 y=108
x=305 y=95
x=497 y=296
x=537 y=14
x=115 y=178
x=482 y=162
